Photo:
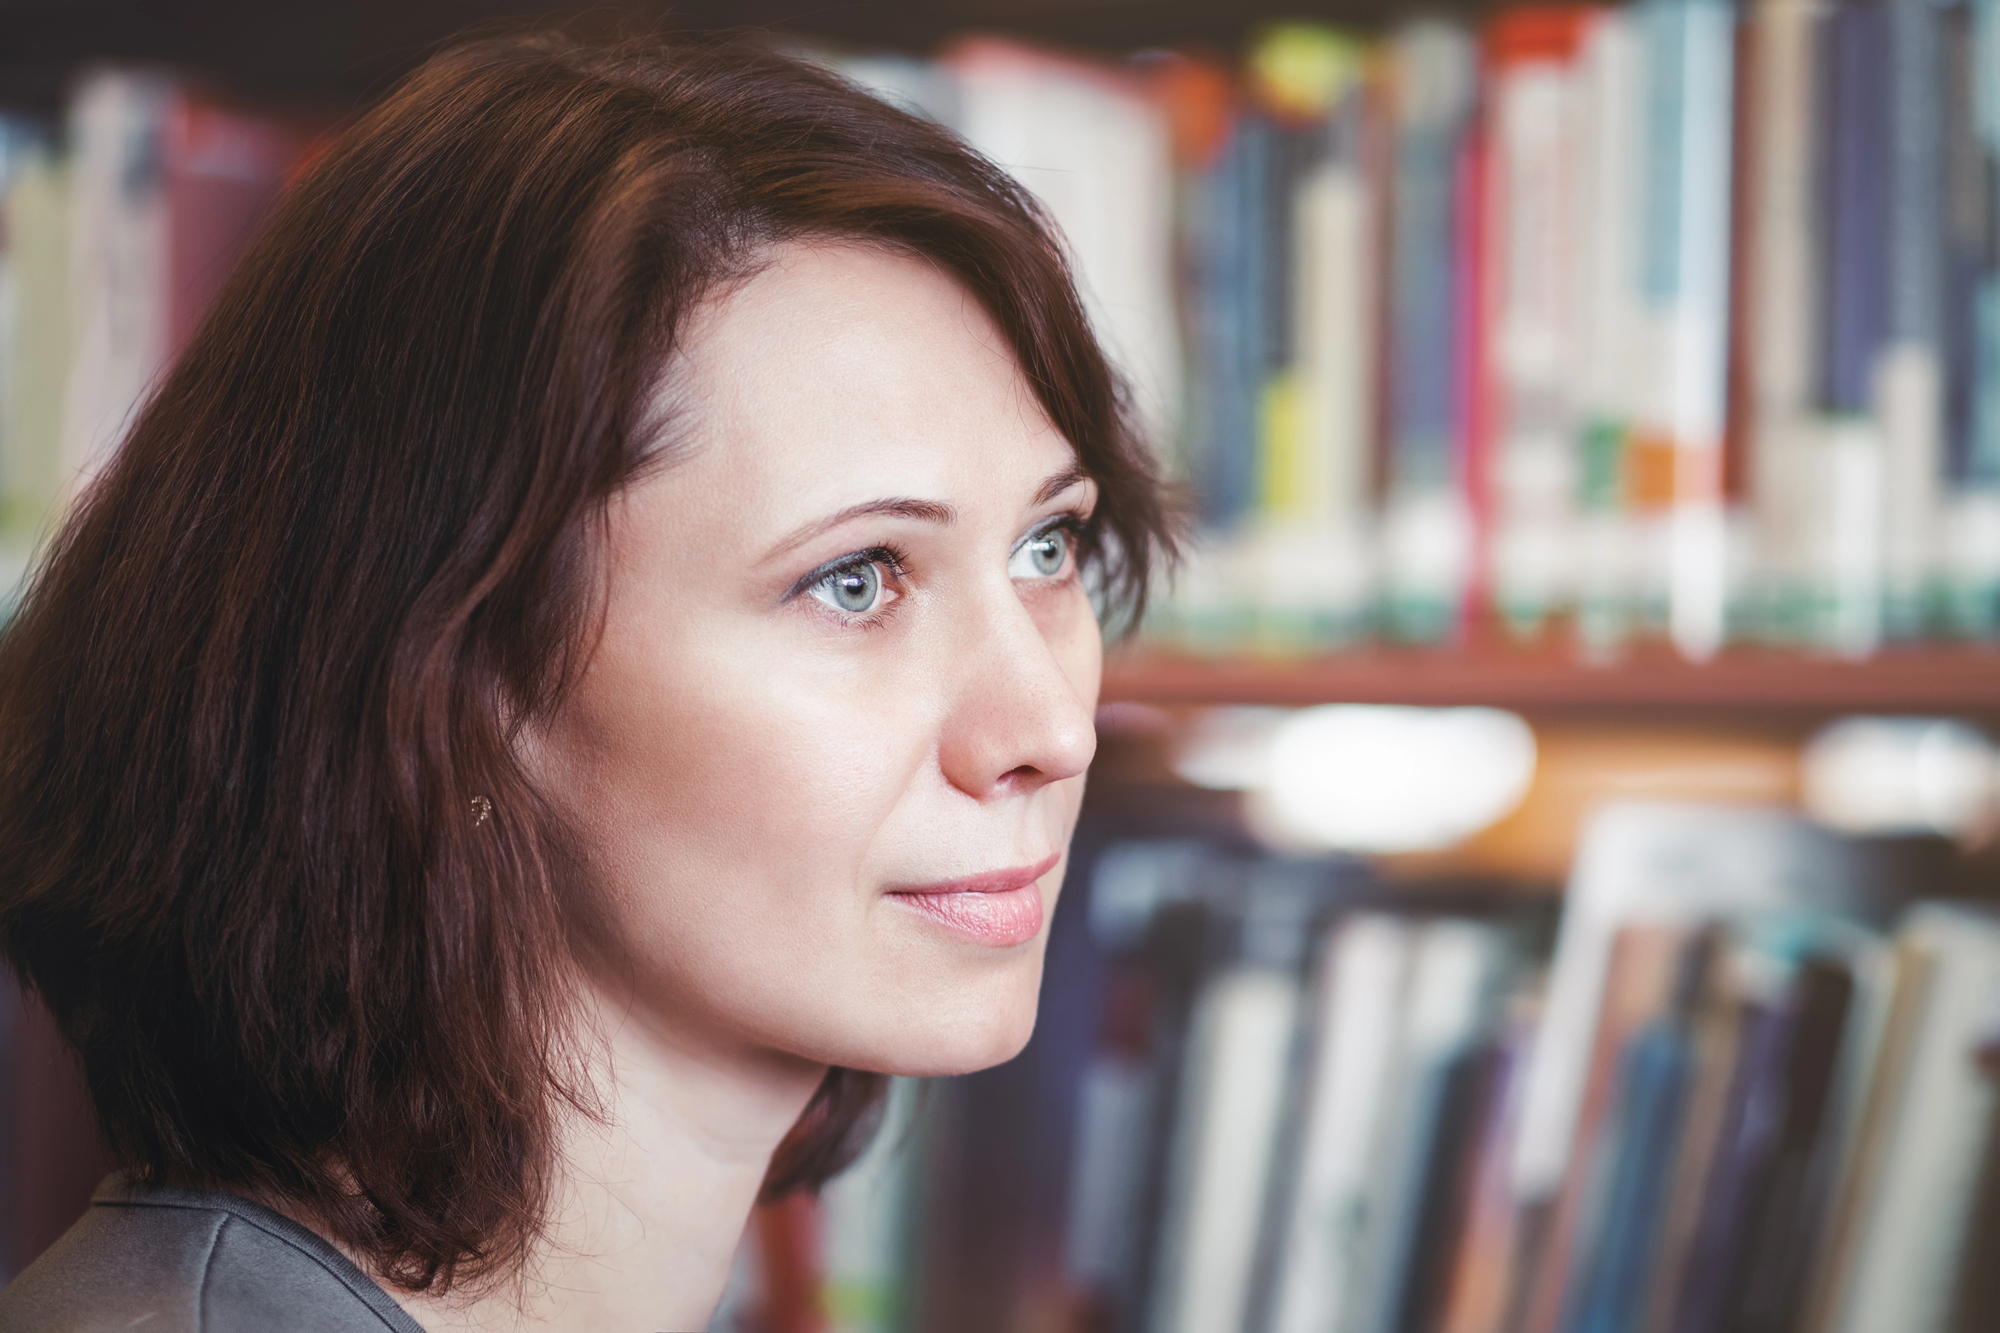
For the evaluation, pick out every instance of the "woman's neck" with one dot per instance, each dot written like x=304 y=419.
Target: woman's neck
x=650 y=1199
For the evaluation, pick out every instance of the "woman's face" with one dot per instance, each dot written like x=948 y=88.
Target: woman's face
x=828 y=754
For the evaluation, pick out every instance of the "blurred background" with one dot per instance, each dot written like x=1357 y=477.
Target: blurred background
x=1539 y=875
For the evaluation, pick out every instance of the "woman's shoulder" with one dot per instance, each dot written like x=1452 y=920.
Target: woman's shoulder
x=171 y=1260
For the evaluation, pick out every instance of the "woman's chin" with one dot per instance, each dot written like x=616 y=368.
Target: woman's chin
x=934 y=1045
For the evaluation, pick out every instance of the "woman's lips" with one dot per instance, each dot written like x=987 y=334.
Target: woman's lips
x=998 y=908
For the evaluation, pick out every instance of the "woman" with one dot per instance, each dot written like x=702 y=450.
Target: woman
x=585 y=664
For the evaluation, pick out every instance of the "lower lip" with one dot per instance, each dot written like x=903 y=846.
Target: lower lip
x=997 y=920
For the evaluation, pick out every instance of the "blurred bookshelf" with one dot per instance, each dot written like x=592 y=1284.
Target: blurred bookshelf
x=337 y=54
x=1728 y=579
x=1961 y=680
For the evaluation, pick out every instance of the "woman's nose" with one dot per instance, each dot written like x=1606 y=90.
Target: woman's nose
x=1022 y=707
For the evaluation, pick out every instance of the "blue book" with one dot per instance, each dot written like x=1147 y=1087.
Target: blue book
x=1750 y=1135
x=1635 y=1172
x=1654 y=1075
x=1963 y=261
x=1229 y=293
x=1855 y=179
x=1436 y=88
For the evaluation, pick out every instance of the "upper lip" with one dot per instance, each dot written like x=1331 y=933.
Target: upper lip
x=991 y=881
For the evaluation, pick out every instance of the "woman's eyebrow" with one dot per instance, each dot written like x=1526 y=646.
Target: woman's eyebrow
x=1061 y=482
x=925 y=511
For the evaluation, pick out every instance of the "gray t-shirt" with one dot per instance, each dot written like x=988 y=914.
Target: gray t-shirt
x=164 y=1260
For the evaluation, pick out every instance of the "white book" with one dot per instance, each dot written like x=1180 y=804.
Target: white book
x=1908 y=389
x=1609 y=314
x=1357 y=1007
x=1784 y=208
x=1689 y=54
x=1657 y=862
x=1114 y=1122
x=34 y=344
x=1317 y=560
x=1902 y=1275
x=1536 y=108
x=1232 y=1102
x=1455 y=971
x=119 y=261
x=1097 y=152
x=864 y=1223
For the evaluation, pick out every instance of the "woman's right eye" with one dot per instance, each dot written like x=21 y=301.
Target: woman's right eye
x=854 y=590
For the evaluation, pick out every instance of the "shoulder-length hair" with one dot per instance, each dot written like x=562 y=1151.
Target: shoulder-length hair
x=266 y=851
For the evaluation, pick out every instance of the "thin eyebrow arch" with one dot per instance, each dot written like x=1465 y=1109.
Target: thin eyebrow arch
x=924 y=511
x=1061 y=482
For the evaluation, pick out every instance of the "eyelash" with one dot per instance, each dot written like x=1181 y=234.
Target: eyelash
x=896 y=563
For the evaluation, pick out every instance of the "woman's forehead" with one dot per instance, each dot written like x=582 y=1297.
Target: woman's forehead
x=837 y=370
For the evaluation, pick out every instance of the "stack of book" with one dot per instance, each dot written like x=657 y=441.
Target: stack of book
x=1739 y=1086
x=118 y=224
x=1677 y=319
x=1584 y=324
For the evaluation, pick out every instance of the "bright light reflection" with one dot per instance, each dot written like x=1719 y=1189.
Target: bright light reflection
x=1890 y=775
x=1364 y=778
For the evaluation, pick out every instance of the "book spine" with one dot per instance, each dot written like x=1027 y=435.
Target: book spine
x=1323 y=516
x=1532 y=217
x=1359 y=993
x=119 y=262
x=1780 y=315
x=36 y=217
x=1428 y=528
x=1612 y=94
x=1908 y=383
x=1972 y=291
x=1223 y=1151
x=1689 y=48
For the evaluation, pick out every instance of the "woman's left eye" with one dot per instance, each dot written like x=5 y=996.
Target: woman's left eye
x=1042 y=556
x=855 y=590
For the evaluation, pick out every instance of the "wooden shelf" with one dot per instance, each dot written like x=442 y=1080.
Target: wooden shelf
x=1927 y=680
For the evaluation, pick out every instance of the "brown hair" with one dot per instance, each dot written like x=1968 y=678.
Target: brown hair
x=269 y=667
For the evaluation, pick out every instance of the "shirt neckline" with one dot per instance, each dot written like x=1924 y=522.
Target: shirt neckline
x=119 y=1190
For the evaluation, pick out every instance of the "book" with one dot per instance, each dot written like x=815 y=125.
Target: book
x=1427 y=520
x=1311 y=542
x=167 y=188
x=1971 y=318
x=1094 y=146
x=1357 y=999
x=1609 y=361
x=1911 y=1239
x=1778 y=336
x=865 y=1219
x=1457 y=971
x=35 y=342
x=1909 y=371
x=1532 y=215
x=1664 y=863
x=1688 y=52
x=1638 y=1154
x=1240 y=1049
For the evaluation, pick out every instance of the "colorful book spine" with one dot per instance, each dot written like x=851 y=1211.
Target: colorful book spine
x=1609 y=367
x=1311 y=542
x=1972 y=314
x=1779 y=316
x=1535 y=109
x=35 y=343
x=1240 y=1053
x=1688 y=51
x=1360 y=991
x=1427 y=534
